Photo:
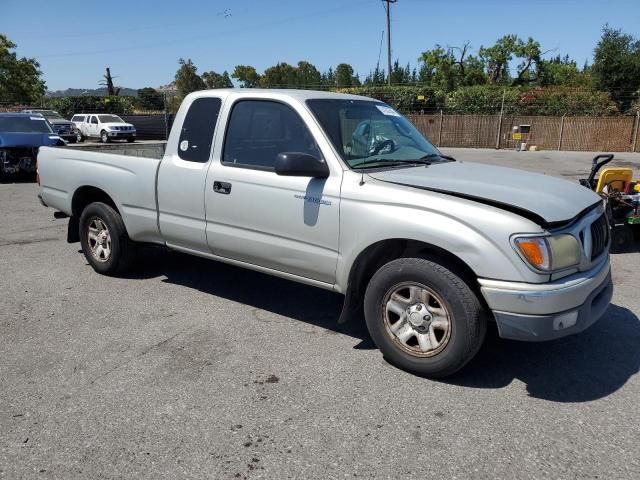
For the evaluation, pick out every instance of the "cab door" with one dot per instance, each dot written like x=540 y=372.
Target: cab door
x=182 y=176
x=289 y=224
x=92 y=126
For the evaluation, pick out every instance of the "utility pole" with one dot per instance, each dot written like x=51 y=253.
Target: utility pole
x=389 y=2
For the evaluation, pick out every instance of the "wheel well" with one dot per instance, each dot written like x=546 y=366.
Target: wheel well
x=380 y=253
x=83 y=196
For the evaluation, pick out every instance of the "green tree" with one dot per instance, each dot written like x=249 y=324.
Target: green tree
x=376 y=77
x=149 y=99
x=308 y=75
x=438 y=69
x=616 y=66
x=280 y=75
x=528 y=69
x=345 y=76
x=187 y=80
x=246 y=75
x=562 y=71
x=400 y=75
x=20 y=78
x=328 y=78
x=497 y=58
x=216 y=80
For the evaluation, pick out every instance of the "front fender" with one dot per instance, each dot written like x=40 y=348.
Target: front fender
x=477 y=234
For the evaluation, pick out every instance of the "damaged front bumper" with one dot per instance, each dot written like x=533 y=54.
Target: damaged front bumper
x=539 y=312
x=18 y=160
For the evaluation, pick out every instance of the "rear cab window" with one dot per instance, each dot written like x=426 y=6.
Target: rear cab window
x=196 y=136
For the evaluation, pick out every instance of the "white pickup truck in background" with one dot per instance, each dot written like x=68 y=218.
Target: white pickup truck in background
x=106 y=127
x=343 y=193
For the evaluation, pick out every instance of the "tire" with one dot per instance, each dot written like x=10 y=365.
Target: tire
x=439 y=293
x=79 y=137
x=117 y=251
x=131 y=140
x=104 y=137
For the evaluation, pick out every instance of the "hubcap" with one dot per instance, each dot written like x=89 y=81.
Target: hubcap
x=99 y=240
x=416 y=319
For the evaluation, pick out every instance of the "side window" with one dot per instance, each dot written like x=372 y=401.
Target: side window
x=94 y=120
x=259 y=130
x=199 y=124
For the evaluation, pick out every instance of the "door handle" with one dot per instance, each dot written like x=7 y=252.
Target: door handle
x=222 y=187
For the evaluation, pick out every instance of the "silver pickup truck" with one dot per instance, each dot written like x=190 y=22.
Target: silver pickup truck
x=343 y=193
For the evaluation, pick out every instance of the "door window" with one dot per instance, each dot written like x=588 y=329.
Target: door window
x=197 y=131
x=259 y=130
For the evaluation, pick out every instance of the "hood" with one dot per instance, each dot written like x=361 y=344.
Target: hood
x=546 y=200
x=28 y=139
x=116 y=124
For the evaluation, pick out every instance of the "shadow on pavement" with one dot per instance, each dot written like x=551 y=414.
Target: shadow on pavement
x=19 y=178
x=579 y=368
x=254 y=289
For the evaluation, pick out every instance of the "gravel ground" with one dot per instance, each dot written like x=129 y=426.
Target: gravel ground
x=194 y=369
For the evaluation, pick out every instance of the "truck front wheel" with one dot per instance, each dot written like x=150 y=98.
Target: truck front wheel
x=423 y=317
x=104 y=137
x=104 y=239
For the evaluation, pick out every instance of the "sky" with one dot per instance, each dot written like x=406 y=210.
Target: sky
x=142 y=40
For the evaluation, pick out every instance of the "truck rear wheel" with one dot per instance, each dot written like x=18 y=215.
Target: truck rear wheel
x=423 y=317
x=104 y=239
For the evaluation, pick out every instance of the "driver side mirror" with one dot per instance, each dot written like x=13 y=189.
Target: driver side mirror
x=298 y=164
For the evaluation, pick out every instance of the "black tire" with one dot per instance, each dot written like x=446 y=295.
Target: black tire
x=79 y=137
x=621 y=238
x=104 y=137
x=131 y=140
x=467 y=318
x=120 y=246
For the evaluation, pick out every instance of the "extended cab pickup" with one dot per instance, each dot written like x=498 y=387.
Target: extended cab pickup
x=342 y=192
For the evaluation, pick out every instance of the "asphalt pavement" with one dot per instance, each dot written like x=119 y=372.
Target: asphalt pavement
x=189 y=368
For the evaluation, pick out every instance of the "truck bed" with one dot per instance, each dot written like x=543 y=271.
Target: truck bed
x=146 y=149
x=129 y=180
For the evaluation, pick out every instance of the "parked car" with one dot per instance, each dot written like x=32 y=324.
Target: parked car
x=20 y=137
x=106 y=127
x=431 y=248
x=60 y=125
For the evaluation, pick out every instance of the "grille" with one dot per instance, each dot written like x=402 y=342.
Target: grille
x=599 y=236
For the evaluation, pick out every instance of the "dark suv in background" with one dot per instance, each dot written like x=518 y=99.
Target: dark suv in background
x=62 y=127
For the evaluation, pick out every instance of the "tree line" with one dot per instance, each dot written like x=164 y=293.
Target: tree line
x=456 y=78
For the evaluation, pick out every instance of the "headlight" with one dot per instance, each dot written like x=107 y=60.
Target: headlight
x=549 y=253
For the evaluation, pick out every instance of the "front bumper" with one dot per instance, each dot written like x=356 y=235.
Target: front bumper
x=539 y=312
x=114 y=134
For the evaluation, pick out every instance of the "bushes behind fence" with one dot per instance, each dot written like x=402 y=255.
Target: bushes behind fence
x=487 y=99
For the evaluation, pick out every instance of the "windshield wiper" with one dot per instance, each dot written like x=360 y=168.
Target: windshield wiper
x=437 y=155
x=391 y=163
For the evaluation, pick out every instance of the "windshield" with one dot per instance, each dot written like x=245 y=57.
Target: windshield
x=371 y=133
x=50 y=114
x=24 y=125
x=110 y=119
